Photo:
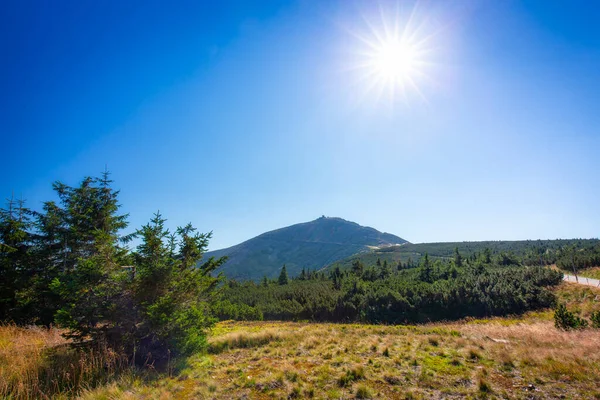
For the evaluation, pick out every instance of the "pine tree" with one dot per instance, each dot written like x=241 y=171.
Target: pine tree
x=385 y=271
x=458 y=261
x=303 y=276
x=426 y=271
x=283 y=276
x=87 y=265
x=170 y=291
x=15 y=261
x=357 y=267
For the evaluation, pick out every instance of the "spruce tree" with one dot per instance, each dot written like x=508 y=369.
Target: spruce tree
x=426 y=270
x=283 y=276
x=357 y=267
x=458 y=262
x=15 y=262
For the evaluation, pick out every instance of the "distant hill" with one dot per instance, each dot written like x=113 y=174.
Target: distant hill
x=310 y=245
x=445 y=250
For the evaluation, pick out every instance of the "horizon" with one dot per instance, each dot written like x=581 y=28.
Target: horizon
x=477 y=122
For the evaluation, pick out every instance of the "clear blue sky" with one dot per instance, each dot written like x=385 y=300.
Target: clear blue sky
x=243 y=117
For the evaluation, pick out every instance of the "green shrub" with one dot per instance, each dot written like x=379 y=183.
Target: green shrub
x=595 y=318
x=566 y=320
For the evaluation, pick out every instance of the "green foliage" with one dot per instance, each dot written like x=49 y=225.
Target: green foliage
x=283 y=276
x=458 y=261
x=595 y=318
x=15 y=256
x=68 y=265
x=403 y=296
x=574 y=257
x=566 y=320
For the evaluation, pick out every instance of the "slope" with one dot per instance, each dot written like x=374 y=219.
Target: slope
x=310 y=245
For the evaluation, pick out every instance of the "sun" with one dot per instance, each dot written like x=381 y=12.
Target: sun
x=394 y=54
x=395 y=61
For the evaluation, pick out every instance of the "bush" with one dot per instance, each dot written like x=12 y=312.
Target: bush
x=566 y=320
x=595 y=318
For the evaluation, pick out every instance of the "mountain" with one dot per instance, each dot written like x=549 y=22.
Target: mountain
x=310 y=245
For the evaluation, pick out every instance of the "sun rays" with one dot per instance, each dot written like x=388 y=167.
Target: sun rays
x=394 y=55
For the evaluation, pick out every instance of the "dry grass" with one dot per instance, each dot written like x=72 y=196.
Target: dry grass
x=522 y=357
x=39 y=363
x=244 y=339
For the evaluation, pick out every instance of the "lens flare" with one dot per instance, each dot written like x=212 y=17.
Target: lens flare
x=394 y=54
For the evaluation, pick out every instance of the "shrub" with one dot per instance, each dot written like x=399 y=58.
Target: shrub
x=566 y=320
x=595 y=318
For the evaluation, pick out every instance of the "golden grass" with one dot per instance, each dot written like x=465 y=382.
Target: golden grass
x=243 y=339
x=38 y=363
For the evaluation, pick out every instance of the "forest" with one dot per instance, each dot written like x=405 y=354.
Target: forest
x=382 y=293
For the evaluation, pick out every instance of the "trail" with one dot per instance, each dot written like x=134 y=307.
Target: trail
x=582 y=280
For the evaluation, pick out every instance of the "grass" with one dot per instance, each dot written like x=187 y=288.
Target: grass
x=515 y=357
x=38 y=363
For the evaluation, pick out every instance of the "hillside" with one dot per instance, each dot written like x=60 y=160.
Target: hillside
x=310 y=245
x=445 y=250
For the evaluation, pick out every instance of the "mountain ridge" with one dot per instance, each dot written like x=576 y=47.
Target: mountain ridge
x=311 y=245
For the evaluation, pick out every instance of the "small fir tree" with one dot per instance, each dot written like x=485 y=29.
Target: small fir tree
x=283 y=276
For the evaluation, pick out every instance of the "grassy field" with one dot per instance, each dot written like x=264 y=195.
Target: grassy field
x=522 y=357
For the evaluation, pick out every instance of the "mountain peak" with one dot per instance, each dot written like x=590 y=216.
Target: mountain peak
x=311 y=245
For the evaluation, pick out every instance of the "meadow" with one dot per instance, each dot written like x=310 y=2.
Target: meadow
x=508 y=357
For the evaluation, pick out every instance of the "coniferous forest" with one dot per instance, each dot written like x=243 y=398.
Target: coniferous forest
x=431 y=291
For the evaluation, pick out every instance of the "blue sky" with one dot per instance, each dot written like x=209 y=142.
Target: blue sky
x=243 y=117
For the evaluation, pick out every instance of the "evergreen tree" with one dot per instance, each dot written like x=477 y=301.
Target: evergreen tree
x=426 y=270
x=15 y=261
x=283 y=276
x=357 y=267
x=170 y=292
x=399 y=266
x=385 y=271
x=378 y=262
x=486 y=256
x=87 y=266
x=303 y=276
x=458 y=261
